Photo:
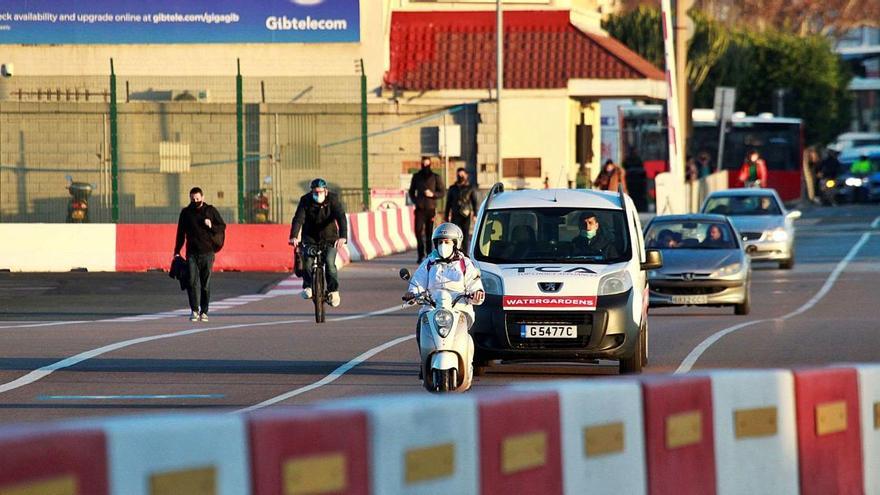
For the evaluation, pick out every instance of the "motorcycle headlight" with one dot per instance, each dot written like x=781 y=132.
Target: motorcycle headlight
x=830 y=183
x=778 y=235
x=492 y=283
x=727 y=270
x=444 y=320
x=615 y=283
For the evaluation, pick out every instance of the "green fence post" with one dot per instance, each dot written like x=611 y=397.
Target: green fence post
x=114 y=149
x=365 y=167
x=239 y=134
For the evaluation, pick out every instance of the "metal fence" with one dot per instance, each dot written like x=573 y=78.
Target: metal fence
x=252 y=145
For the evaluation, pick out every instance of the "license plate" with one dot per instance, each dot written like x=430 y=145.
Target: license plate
x=690 y=299
x=548 y=331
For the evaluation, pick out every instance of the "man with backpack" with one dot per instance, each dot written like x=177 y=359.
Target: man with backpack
x=204 y=230
x=461 y=205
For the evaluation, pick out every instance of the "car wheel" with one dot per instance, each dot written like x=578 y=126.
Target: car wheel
x=634 y=363
x=787 y=264
x=746 y=306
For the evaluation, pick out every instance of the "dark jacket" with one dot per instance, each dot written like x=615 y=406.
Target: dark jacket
x=426 y=180
x=319 y=222
x=461 y=196
x=600 y=245
x=180 y=272
x=191 y=226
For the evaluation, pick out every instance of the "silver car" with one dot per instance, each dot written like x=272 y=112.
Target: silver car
x=703 y=263
x=767 y=228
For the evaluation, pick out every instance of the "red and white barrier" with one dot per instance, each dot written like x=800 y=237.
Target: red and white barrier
x=679 y=435
x=393 y=229
x=829 y=431
x=602 y=435
x=293 y=451
x=53 y=460
x=755 y=432
x=520 y=446
x=178 y=454
x=407 y=221
x=869 y=400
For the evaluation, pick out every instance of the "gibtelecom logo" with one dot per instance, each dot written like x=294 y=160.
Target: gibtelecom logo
x=284 y=23
x=582 y=302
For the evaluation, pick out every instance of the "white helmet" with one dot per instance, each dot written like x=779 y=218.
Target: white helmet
x=448 y=231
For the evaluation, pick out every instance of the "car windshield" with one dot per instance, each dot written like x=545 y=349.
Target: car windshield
x=553 y=235
x=758 y=204
x=679 y=234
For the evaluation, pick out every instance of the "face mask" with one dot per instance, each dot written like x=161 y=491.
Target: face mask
x=197 y=204
x=589 y=234
x=319 y=197
x=462 y=179
x=445 y=250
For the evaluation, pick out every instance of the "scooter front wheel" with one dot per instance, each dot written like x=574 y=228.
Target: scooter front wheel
x=445 y=380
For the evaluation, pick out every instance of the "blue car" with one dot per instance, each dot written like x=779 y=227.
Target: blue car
x=857 y=187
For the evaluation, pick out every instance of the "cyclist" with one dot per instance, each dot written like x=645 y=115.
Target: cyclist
x=320 y=218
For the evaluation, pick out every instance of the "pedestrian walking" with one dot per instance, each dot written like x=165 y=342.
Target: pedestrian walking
x=204 y=230
x=424 y=189
x=461 y=205
x=611 y=176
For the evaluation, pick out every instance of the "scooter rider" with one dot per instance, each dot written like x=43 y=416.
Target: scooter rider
x=447 y=267
x=321 y=218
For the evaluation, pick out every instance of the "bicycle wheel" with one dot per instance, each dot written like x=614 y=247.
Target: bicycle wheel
x=318 y=294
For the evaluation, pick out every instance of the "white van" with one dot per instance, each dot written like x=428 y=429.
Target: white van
x=554 y=292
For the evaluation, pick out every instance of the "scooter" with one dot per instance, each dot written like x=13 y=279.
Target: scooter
x=78 y=207
x=445 y=344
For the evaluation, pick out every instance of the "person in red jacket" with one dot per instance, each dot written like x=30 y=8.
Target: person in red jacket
x=753 y=172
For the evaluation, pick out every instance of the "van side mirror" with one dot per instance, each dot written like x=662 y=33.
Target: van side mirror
x=653 y=260
x=404 y=274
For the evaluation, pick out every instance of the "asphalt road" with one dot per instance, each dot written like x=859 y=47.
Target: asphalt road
x=82 y=344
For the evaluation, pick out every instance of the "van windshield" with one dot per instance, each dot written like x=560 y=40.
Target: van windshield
x=553 y=235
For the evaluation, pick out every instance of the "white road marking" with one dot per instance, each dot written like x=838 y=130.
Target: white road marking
x=701 y=348
x=45 y=324
x=332 y=377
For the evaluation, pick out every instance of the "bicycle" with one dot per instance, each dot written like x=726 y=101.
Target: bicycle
x=319 y=277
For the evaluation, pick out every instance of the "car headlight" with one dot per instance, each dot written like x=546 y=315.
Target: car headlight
x=778 y=235
x=615 y=283
x=853 y=181
x=727 y=270
x=444 y=320
x=492 y=283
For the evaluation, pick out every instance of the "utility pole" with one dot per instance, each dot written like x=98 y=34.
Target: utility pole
x=499 y=67
x=684 y=30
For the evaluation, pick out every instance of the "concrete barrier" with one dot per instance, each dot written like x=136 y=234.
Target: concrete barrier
x=869 y=401
x=52 y=460
x=58 y=247
x=829 y=433
x=679 y=438
x=192 y=454
x=295 y=451
x=755 y=432
x=520 y=446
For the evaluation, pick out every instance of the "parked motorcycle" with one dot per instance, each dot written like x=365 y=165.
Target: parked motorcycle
x=260 y=206
x=78 y=207
x=445 y=343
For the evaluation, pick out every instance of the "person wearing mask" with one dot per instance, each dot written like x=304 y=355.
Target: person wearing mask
x=320 y=218
x=461 y=205
x=592 y=240
x=203 y=229
x=424 y=189
x=611 y=176
x=753 y=172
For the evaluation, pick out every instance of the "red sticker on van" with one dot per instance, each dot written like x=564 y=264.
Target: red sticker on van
x=523 y=302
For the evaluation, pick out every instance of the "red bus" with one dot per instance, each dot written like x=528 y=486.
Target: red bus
x=779 y=140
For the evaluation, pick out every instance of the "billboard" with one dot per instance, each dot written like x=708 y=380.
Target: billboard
x=53 y=22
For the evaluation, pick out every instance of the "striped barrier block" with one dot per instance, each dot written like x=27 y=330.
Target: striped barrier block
x=420 y=445
x=294 y=451
x=381 y=232
x=829 y=433
x=192 y=454
x=406 y=222
x=394 y=229
x=755 y=432
x=679 y=441
x=53 y=460
x=602 y=435
x=520 y=447
x=49 y=247
x=869 y=400
x=365 y=244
